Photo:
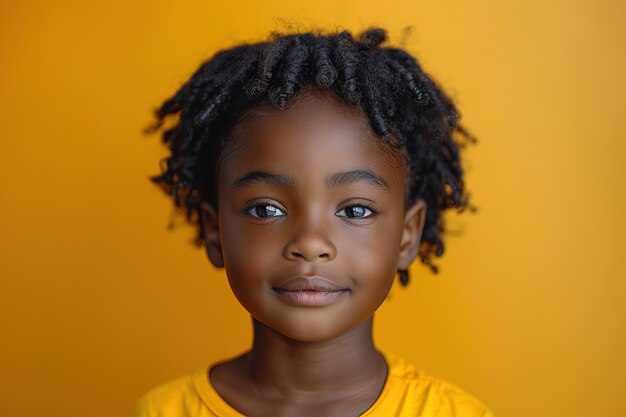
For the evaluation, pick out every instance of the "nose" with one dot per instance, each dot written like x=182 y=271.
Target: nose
x=310 y=243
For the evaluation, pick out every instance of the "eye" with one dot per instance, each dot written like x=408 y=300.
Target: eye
x=356 y=212
x=265 y=211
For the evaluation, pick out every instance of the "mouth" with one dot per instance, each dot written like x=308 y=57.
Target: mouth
x=309 y=292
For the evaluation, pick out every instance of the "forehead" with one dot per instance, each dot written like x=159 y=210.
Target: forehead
x=316 y=127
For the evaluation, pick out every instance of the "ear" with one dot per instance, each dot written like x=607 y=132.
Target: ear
x=414 y=220
x=210 y=232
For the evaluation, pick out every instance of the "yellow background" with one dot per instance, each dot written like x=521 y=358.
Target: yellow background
x=100 y=302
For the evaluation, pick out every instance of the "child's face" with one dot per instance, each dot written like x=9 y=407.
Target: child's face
x=311 y=192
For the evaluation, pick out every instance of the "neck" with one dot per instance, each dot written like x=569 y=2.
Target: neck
x=277 y=364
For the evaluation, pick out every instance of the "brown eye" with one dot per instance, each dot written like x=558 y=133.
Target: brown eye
x=355 y=212
x=265 y=211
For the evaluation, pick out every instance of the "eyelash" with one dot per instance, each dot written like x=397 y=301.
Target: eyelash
x=366 y=206
x=268 y=203
x=263 y=203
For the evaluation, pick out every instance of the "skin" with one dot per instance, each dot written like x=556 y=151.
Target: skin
x=296 y=219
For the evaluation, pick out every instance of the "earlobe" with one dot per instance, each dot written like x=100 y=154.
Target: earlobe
x=210 y=232
x=414 y=220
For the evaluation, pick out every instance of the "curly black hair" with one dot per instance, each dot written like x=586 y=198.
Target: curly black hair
x=404 y=106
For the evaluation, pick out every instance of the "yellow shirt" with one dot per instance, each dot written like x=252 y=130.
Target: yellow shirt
x=407 y=393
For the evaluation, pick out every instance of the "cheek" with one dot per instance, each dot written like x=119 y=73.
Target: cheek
x=247 y=264
x=374 y=252
x=249 y=252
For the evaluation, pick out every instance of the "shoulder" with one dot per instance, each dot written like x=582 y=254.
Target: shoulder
x=430 y=395
x=167 y=399
x=454 y=401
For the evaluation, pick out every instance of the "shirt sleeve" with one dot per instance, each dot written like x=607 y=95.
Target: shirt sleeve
x=455 y=402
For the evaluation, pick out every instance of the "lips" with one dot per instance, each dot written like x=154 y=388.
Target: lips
x=309 y=284
x=309 y=292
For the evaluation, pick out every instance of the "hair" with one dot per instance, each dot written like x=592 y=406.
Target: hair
x=404 y=106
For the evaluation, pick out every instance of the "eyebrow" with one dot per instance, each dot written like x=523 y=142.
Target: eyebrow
x=332 y=181
x=263 y=177
x=359 y=175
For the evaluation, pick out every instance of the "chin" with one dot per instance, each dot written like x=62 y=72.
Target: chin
x=311 y=329
x=309 y=337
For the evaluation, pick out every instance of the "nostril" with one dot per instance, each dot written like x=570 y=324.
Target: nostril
x=309 y=250
x=298 y=255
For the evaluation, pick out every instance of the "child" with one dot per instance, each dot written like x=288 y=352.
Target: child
x=316 y=167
